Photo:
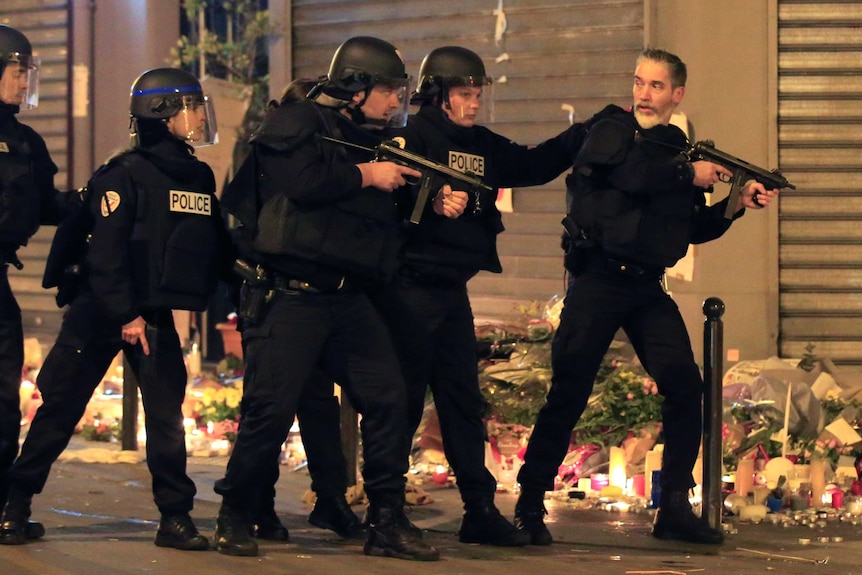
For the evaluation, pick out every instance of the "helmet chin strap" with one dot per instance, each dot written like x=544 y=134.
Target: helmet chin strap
x=328 y=101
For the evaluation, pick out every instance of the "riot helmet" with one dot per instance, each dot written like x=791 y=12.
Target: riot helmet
x=19 y=70
x=173 y=98
x=450 y=67
x=359 y=65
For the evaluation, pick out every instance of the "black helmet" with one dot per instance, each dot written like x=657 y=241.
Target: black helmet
x=360 y=63
x=16 y=49
x=157 y=94
x=448 y=67
x=13 y=43
x=162 y=93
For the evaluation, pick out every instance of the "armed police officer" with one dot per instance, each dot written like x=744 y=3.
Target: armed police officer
x=319 y=416
x=325 y=228
x=635 y=206
x=156 y=243
x=28 y=200
x=427 y=306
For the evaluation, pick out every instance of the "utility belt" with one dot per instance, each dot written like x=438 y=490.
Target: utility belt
x=260 y=285
x=289 y=285
x=599 y=261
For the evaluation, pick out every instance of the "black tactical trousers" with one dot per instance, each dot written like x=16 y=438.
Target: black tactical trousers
x=319 y=416
x=11 y=364
x=85 y=347
x=344 y=335
x=598 y=303
x=432 y=327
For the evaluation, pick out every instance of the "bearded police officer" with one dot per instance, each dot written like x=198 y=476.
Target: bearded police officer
x=326 y=229
x=427 y=307
x=156 y=240
x=29 y=199
x=635 y=206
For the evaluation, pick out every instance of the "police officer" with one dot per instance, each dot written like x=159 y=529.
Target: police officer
x=156 y=245
x=326 y=228
x=29 y=199
x=427 y=307
x=636 y=205
x=319 y=415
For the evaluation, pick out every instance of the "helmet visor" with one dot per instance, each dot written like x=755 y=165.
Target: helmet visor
x=195 y=122
x=19 y=84
x=401 y=88
x=388 y=103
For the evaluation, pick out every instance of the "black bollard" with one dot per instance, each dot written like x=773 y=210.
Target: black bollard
x=129 y=431
x=350 y=439
x=713 y=349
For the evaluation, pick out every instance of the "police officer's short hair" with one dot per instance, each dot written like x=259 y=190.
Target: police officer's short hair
x=678 y=73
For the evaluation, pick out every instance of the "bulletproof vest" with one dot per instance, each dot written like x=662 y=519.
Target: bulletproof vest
x=357 y=235
x=65 y=267
x=468 y=242
x=652 y=226
x=19 y=198
x=174 y=239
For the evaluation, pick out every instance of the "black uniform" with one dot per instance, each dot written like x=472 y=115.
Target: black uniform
x=427 y=307
x=155 y=247
x=27 y=199
x=331 y=237
x=635 y=212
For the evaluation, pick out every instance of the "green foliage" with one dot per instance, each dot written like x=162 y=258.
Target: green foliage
x=100 y=430
x=624 y=401
x=759 y=422
x=515 y=389
x=235 y=53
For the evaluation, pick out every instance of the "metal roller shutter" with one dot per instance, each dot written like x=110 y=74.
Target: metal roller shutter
x=820 y=148
x=554 y=53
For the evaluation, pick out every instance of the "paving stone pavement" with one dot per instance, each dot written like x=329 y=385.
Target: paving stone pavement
x=100 y=519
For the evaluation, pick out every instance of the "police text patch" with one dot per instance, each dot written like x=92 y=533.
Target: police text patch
x=467 y=162
x=110 y=203
x=191 y=203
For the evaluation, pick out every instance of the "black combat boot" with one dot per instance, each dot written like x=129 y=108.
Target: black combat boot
x=35 y=530
x=177 y=530
x=268 y=526
x=232 y=532
x=482 y=523
x=335 y=514
x=675 y=520
x=414 y=529
x=14 y=521
x=388 y=535
x=530 y=517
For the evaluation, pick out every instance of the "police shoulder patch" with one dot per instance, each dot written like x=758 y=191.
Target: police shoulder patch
x=4 y=147
x=110 y=203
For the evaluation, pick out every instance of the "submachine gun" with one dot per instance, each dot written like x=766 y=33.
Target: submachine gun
x=742 y=172
x=390 y=151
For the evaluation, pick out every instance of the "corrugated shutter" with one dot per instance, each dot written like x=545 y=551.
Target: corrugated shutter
x=46 y=24
x=820 y=147
x=560 y=53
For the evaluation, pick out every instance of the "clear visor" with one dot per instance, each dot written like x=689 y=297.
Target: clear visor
x=195 y=122
x=19 y=85
x=393 y=111
x=472 y=100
